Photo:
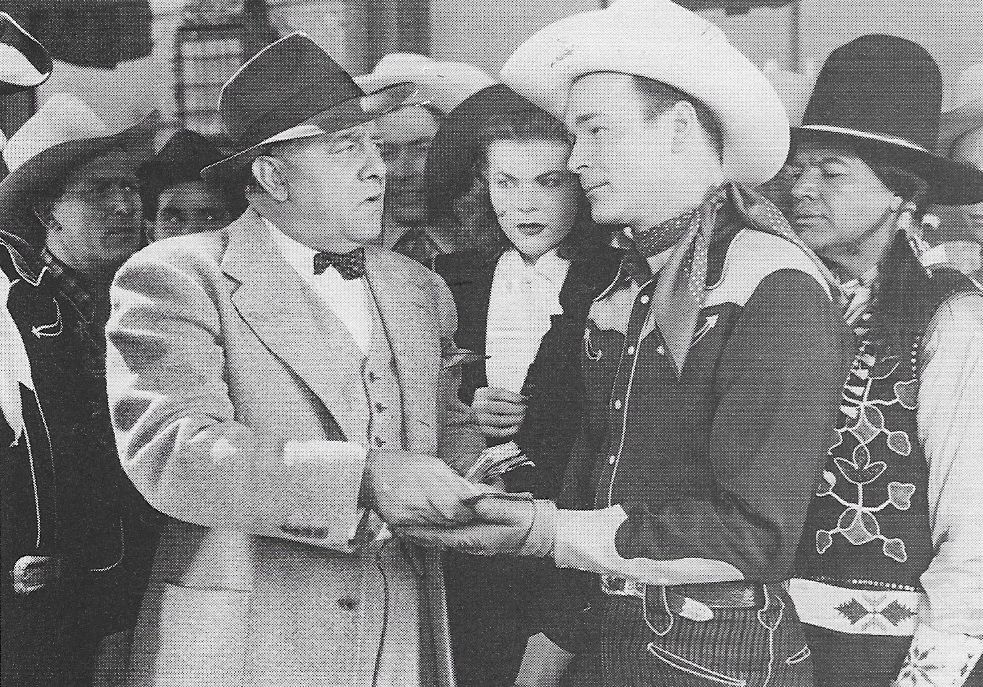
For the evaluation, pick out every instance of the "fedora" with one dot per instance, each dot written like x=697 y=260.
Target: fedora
x=292 y=89
x=443 y=85
x=967 y=114
x=64 y=133
x=660 y=40
x=450 y=162
x=885 y=93
x=24 y=63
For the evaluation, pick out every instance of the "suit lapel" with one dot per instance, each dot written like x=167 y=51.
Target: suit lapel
x=291 y=320
x=410 y=322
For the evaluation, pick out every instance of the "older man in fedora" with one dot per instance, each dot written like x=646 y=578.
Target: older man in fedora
x=888 y=576
x=75 y=551
x=277 y=387
x=406 y=136
x=711 y=362
x=176 y=200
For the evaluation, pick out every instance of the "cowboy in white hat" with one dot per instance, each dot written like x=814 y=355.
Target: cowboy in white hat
x=74 y=551
x=711 y=364
x=277 y=388
x=888 y=582
x=406 y=137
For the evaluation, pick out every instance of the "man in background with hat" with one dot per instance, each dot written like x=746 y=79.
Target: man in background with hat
x=176 y=201
x=277 y=387
x=75 y=552
x=888 y=576
x=711 y=363
x=407 y=134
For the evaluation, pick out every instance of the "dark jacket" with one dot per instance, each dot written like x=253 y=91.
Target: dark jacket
x=553 y=381
x=63 y=492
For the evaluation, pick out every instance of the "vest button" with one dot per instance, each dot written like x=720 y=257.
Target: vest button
x=379 y=407
x=348 y=603
x=631 y=350
x=379 y=441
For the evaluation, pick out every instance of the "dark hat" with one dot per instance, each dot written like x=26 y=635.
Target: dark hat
x=62 y=135
x=884 y=93
x=450 y=162
x=293 y=89
x=181 y=159
x=24 y=63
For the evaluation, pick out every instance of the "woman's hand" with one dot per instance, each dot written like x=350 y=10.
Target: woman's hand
x=498 y=412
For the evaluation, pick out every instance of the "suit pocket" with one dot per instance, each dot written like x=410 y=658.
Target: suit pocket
x=695 y=669
x=191 y=636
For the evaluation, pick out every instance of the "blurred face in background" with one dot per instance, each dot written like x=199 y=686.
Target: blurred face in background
x=533 y=194
x=406 y=136
x=187 y=208
x=98 y=218
x=969 y=149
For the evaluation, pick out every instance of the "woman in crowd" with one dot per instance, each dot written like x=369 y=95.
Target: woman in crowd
x=498 y=159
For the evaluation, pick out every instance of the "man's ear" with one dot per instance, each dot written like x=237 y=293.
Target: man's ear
x=684 y=124
x=268 y=173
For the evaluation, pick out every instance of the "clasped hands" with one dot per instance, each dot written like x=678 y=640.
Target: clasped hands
x=425 y=501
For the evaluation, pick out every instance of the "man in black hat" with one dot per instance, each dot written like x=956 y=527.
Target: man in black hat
x=71 y=535
x=277 y=387
x=888 y=571
x=176 y=201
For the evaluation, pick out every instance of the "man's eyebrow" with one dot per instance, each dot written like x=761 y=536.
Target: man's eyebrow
x=584 y=118
x=552 y=172
x=506 y=175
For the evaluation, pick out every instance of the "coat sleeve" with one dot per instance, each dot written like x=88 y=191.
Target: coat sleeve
x=176 y=432
x=778 y=386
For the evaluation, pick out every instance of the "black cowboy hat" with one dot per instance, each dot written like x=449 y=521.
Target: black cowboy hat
x=181 y=159
x=24 y=63
x=884 y=93
x=293 y=89
x=449 y=171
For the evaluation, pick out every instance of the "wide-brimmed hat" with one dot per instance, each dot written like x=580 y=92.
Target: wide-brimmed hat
x=660 y=40
x=967 y=113
x=885 y=93
x=181 y=159
x=293 y=89
x=24 y=63
x=444 y=85
x=63 y=134
x=449 y=171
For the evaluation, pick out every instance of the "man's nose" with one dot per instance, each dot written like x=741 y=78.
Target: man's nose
x=375 y=166
x=577 y=160
x=806 y=186
x=124 y=202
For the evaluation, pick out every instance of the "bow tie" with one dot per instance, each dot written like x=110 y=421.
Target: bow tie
x=349 y=265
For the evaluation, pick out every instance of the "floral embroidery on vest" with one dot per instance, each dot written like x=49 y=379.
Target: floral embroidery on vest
x=873 y=384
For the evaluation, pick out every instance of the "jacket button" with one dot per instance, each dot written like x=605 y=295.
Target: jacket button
x=631 y=350
x=348 y=603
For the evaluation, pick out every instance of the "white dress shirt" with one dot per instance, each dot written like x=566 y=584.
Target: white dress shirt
x=523 y=298
x=348 y=299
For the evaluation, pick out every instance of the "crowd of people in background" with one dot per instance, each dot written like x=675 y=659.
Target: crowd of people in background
x=600 y=372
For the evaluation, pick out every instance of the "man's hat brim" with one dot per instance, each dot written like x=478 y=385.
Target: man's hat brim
x=23 y=187
x=951 y=182
x=348 y=113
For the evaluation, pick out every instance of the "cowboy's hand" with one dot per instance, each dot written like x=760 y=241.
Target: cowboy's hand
x=498 y=412
x=408 y=488
x=507 y=524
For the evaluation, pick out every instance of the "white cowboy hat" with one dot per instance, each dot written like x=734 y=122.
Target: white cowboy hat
x=444 y=85
x=24 y=63
x=660 y=40
x=968 y=111
x=793 y=88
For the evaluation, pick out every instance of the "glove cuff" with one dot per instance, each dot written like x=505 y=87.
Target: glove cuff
x=542 y=533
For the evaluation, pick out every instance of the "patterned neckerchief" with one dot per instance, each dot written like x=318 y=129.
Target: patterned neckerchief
x=93 y=310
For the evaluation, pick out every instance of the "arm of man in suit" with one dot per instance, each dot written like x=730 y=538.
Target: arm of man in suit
x=176 y=428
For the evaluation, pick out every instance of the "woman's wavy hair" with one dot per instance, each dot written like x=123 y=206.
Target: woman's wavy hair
x=473 y=208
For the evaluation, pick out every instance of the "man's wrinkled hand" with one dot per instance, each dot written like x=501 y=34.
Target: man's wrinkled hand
x=504 y=526
x=408 y=488
x=498 y=412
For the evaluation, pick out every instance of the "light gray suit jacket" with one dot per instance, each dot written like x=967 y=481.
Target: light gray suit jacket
x=230 y=395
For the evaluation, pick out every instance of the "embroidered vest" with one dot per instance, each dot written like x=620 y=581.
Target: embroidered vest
x=868 y=527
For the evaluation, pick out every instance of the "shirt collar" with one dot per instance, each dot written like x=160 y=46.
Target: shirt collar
x=74 y=286
x=299 y=256
x=549 y=266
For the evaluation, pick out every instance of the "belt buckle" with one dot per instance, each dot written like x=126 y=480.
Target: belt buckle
x=31 y=573
x=620 y=586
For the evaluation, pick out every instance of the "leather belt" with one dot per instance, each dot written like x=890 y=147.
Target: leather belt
x=693 y=601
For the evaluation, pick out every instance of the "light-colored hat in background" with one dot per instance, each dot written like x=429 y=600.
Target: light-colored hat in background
x=967 y=114
x=660 y=40
x=62 y=134
x=24 y=63
x=444 y=85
